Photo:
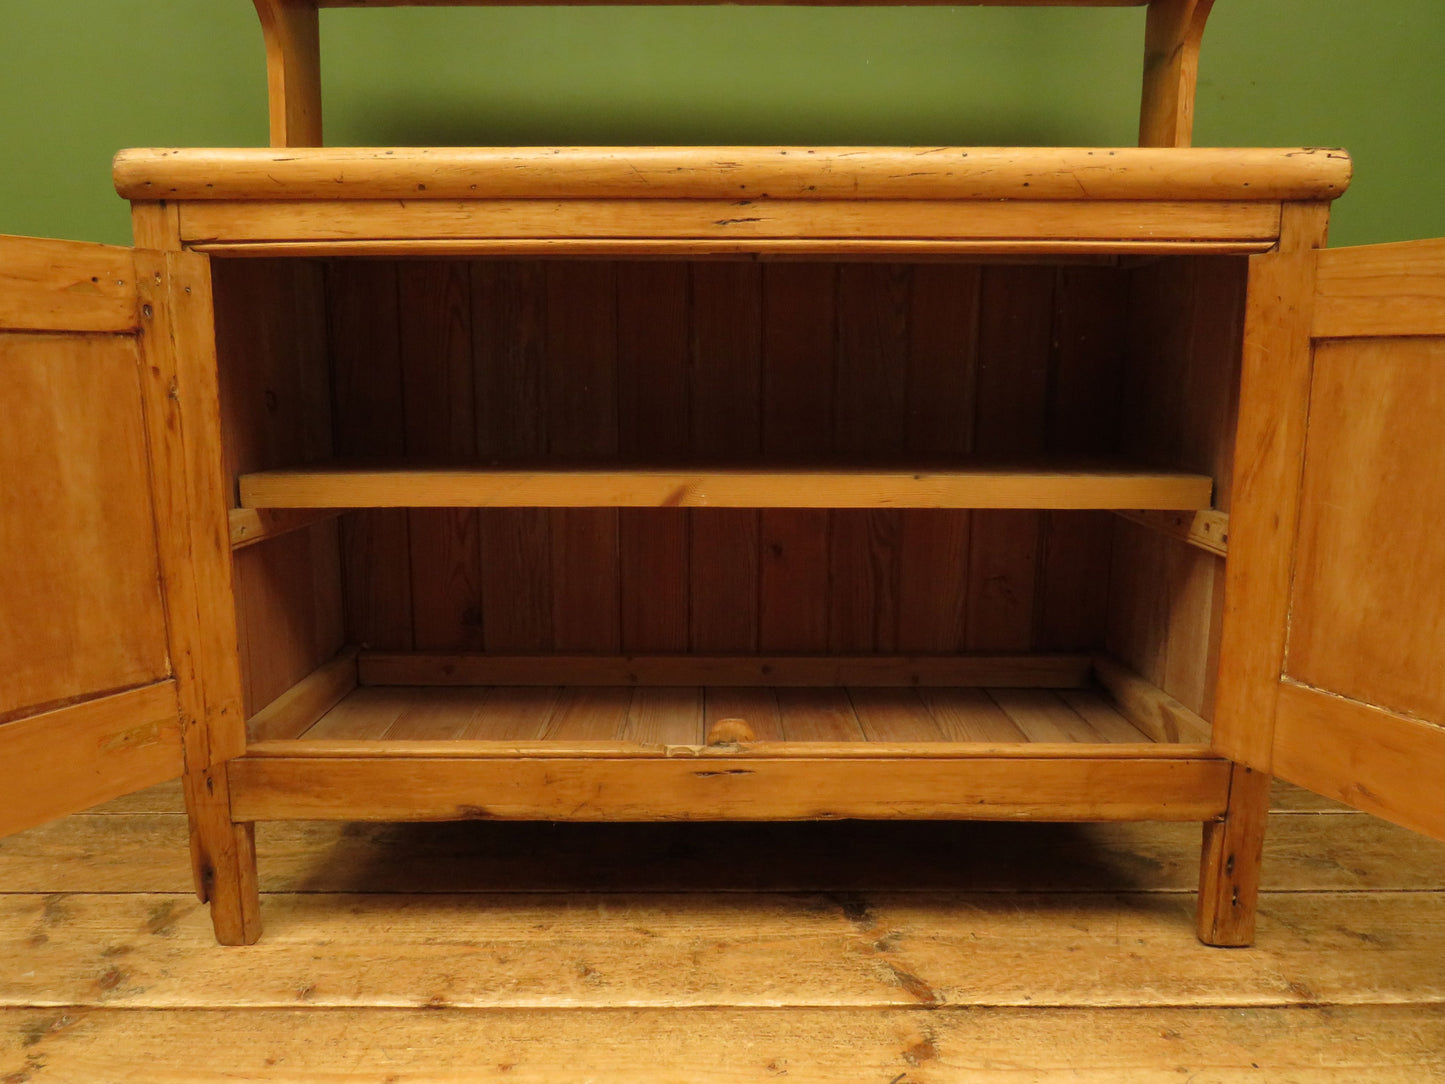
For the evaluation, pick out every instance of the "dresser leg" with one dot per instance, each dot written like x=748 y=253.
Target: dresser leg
x=223 y=855
x=1230 y=863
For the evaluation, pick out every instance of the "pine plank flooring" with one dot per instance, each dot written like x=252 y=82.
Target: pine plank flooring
x=835 y=952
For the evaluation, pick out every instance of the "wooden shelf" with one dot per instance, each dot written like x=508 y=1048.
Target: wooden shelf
x=990 y=487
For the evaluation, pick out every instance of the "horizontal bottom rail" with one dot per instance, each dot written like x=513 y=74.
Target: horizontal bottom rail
x=652 y=789
x=431 y=749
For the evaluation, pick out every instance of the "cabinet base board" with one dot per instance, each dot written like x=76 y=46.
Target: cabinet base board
x=758 y=788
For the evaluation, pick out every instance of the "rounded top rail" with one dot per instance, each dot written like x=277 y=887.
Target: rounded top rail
x=737 y=173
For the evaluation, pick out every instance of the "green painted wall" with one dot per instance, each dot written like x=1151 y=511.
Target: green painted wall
x=84 y=78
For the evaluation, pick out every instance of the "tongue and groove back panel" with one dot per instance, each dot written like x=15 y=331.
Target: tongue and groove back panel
x=735 y=361
x=661 y=361
x=275 y=390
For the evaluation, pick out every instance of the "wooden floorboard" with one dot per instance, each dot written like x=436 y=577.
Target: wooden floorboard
x=759 y=950
x=1303 y=852
x=1358 y=1045
x=835 y=952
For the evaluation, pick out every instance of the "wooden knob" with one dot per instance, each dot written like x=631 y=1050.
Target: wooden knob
x=730 y=731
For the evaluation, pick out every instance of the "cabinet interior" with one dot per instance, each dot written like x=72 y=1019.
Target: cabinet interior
x=643 y=625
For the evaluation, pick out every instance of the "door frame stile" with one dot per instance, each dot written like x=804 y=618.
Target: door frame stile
x=183 y=425
x=1269 y=468
x=1269 y=462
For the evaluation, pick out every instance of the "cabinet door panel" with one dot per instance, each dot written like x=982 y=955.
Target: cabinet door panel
x=80 y=598
x=87 y=699
x=1360 y=715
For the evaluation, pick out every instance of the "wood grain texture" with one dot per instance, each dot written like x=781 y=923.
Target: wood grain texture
x=868 y=415
x=793 y=573
x=1108 y=223
x=508 y=328
x=275 y=395
x=940 y=416
x=73 y=757
x=757 y=705
x=1376 y=760
x=587 y=713
x=1172 y=35
x=612 y=487
x=435 y=333
x=366 y=714
x=369 y=419
x=177 y=300
x=666 y=716
x=977 y=917
x=1180 y=398
x=790 y=953
x=438 y=715
x=295 y=710
x=781 y=173
x=292 y=34
x=1100 y=252
x=1394 y=289
x=725 y=374
x=653 y=418
x=251 y=525
x=1273 y=408
x=155 y=225
x=1043 y=717
x=1147 y=706
x=965 y=714
x=291 y=621
x=1367 y=604
x=66 y=286
x=724 y=575
x=1016 y=309
x=799 y=314
x=1207 y=529
x=893 y=715
x=184 y=430
x=81 y=607
x=424 y=668
x=1106 y=718
x=1308 y=848
x=581 y=377
x=1369 y=1044
x=1051 y=788
x=437 y=743
x=271 y=353
x=1084 y=405
x=1230 y=863
x=804 y=951
x=677 y=332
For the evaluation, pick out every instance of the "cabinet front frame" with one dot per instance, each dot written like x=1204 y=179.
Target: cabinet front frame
x=910 y=229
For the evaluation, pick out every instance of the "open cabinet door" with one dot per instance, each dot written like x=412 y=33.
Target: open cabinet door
x=90 y=620
x=1362 y=700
